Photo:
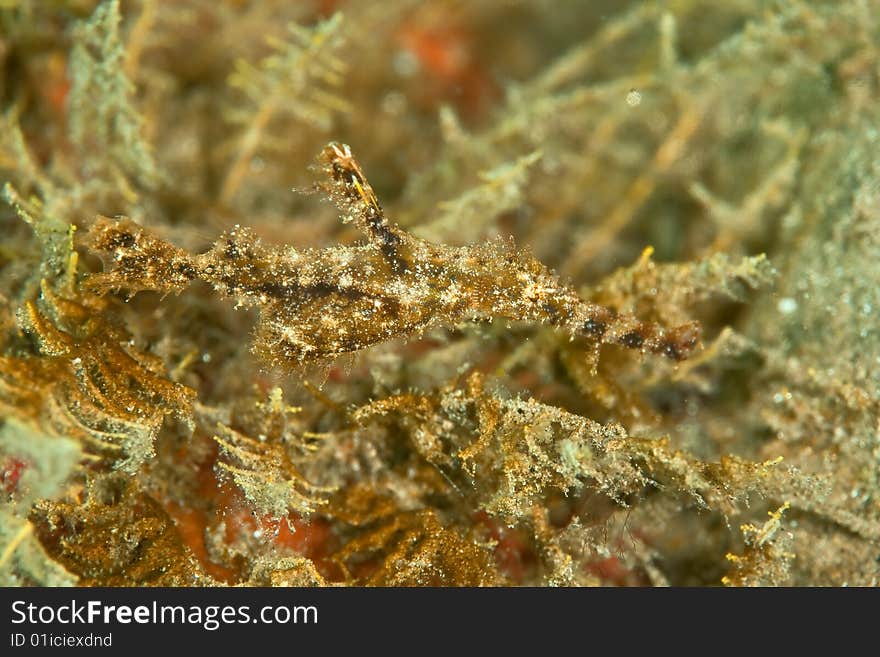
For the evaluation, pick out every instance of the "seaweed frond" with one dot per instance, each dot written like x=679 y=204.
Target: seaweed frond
x=58 y=262
x=295 y=85
x=116 y=536
x=90 y=382
x=267 y=467
x=767 y=559
x=105 y=125
x=526 y=451
x=396 y=547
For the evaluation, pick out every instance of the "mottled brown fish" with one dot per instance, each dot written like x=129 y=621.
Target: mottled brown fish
x=321 y=303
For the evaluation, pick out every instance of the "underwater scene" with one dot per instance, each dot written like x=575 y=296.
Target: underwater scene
x=440 y=293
